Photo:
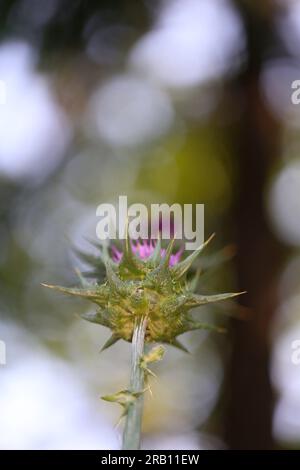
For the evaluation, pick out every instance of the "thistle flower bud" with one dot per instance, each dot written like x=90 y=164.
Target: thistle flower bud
x=142 y=297
x=145 y=282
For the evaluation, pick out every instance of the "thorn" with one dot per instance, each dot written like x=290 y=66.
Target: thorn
x=177 y=344
x=155 y=257
x=166 y=259
x=150 y=372
x=85 y=293
x=181 y=268
x=196 y=300
x=110 y=342
x=128 y=253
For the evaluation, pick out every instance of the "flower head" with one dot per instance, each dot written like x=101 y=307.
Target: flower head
x=145 y=281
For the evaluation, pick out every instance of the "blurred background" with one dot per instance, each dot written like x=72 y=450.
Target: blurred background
x=164 y=101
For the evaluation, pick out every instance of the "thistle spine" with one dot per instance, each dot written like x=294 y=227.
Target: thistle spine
x=133 y=423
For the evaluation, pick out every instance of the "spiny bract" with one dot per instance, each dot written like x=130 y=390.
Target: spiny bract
x=145 y=281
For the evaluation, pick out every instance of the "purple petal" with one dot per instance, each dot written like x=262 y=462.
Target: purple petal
x=144 y=249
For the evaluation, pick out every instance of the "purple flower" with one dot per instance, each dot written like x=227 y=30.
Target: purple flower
x=144 y=249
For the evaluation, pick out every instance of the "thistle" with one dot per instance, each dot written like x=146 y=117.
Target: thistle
x=144 y=298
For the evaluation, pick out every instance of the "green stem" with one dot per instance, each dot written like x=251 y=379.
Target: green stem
x=133 y=424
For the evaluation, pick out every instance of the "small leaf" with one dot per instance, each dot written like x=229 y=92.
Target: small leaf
x=154 y=355
x=124 y=398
